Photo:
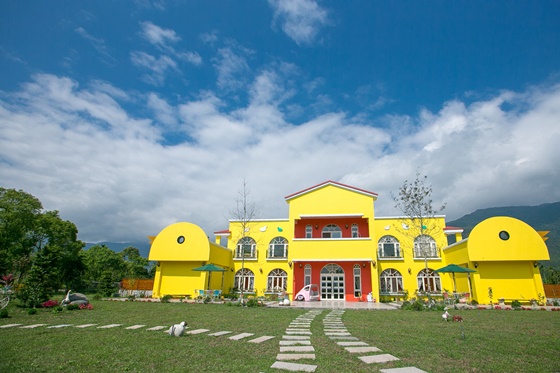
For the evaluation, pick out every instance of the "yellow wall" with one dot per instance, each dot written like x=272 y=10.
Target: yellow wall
x=524 y=243
x=166 y=247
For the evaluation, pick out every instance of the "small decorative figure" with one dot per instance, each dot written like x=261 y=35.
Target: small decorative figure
x=76 y=298
x=457 y=318
x=445 y=315
x=177 y=330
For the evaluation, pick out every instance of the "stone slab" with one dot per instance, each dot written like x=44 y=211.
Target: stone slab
x=217 y=334
x=295 y=356
x=383 y=358
x=294 y=343
x=337 y=334
x=361 y=350
x=198 y=331
x=296 y=337
x=240 y=336
x=84 y=326
x=9 y=326
x=294 y=367
x=352 y=343
x=261 y=339
x=58 y=326
x=298 y=332
x=344 y=337
x=297 y=349
x=159 y=327
x=403 y=370
x=32 y=326
x=108 y=326
x=298 y=329
x=134 y=327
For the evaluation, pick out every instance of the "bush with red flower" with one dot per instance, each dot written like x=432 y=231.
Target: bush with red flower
x=49 y=304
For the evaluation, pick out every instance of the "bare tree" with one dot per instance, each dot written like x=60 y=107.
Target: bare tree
x=244 y=213
x=414 y=200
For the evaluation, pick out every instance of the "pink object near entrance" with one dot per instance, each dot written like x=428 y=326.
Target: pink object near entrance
x=308 y=293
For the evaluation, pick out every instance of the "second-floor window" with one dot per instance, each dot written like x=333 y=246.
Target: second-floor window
x=355 y=231
x=246 y=248
x=278 y=248
x=308 y=231
x=388 y=247
x=425 y=247
x=331 y=231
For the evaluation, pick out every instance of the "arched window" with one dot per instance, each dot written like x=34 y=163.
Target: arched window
x=425 y=247
x=308 y=231
x=355 y=231
x=246 y=248
x=390 y=281
x=307 y=275
x=332 y=231
x=357 y=280
x=245 y=279
x=428 y=281
x=388 y=247
x=277 y=280
x=278 y=248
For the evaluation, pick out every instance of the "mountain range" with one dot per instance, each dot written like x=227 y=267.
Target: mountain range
x=545 y=217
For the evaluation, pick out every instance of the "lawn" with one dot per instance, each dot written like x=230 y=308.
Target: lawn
x=487 y=341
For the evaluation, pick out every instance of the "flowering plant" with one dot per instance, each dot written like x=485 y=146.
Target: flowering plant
x=86 y=306
x=49 y=304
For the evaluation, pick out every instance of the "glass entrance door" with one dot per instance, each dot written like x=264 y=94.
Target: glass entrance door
x=332 y=282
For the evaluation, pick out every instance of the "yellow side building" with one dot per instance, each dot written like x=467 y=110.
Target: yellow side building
x=333 y=238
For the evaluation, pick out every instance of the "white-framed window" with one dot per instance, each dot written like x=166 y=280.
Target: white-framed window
x=331 y=231
x=308 y=231
x=307 y=275
x=429 y=281
x=244 y=279
x=246 y=248
x=355 y=231
x=388 y=247
x=278 y=248
x=425 y=247
x=357 y=280
x=277 y=280
x=390 y=281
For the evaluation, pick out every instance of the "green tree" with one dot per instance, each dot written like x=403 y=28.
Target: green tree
x=18 y=215
x=99 y=259
x=37 y=245
x=135 y=265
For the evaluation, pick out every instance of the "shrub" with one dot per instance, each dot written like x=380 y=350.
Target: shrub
x=166 y=298
x=72 y=307
x=253 y=303
x=86 y=306
x=4 y=314
x=515 y=304
x=32 y=311
x=474 y=302
x=58 y=309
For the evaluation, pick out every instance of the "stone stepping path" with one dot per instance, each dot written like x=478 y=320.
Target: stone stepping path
x=296 y=345
x=334 y=328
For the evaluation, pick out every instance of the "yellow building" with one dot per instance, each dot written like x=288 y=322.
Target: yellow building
x=333 y=238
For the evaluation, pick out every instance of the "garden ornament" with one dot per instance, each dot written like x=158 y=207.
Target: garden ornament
x=76 y=298
x=445 y=315
x=177 y=330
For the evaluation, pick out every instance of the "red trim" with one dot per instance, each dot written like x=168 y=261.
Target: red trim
x=330 y=182
x=223 y=232
x=453 y=229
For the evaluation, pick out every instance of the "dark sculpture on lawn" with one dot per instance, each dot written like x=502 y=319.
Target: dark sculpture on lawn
x=75 y=298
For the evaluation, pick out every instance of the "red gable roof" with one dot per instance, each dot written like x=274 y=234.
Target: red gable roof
x=330 y=182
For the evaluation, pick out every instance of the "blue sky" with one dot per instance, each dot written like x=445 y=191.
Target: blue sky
x=129 y=115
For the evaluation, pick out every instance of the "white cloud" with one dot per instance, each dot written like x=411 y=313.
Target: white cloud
x=160 y=37
x=79 y=151
x=300 y=19
x=98 y=44
x=232 y=67
x=157 y=67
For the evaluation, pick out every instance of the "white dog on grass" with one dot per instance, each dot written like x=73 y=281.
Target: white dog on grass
x=178 y=330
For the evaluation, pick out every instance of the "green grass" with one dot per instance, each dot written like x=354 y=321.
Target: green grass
x=494 y=341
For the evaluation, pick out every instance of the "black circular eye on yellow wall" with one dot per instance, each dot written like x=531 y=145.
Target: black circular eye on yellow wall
x=181 y=239
x=504 y=235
